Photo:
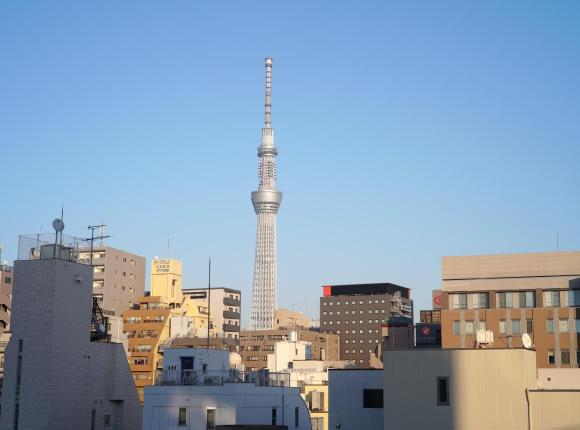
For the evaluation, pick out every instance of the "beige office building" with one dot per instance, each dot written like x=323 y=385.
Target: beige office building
x=118 y=278
x=284 y=318
x=512 y=294
x=492 y=389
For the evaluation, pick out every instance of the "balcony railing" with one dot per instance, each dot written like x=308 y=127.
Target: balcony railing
x=228 y=301
x=220 y=377
x=231 y=328
x=232 y=315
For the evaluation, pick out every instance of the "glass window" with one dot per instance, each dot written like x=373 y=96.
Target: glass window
x=529 y=326
x=550 y=326
x=482 y=325
x=468 y=327
x=551 y=357
x=505 y=300
x=565 y=356
x=459 y=301
x=456 y=328
x=574 y=298
x=480 y=300
x=552 y=299
x=563 y=326
x=210 y=423
x=442 y=391
x=577 y=324
x=296 y=412
x=182 y=420
x=527 y=299
x=501 y=326
x=516 y=327
x=373 y=398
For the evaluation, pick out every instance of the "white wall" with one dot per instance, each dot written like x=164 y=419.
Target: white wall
x=345 y=399
x=214 y=358
x=234 y=404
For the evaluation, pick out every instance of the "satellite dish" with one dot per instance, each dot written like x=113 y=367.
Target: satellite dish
x=527 y=341
x=58 y=225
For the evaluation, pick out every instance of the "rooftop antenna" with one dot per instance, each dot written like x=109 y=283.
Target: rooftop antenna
x=208 y=300
x=58 y=226
x=100 y=237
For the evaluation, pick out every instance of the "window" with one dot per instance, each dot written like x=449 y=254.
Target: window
x=482 y=325
x=527 y=299
x=501 y=326
x=459 y=301
x=505 y=300
x=296 y=414
x=274 y=411
x=574 y=298
x=565 y=356
x=563 y=326
x=442 y=391
x=516 y=327
x=210 y=419
x=577 y=324
x=551 y=357
x=107 y=421
x=480 y=300
x=456 y=328
x=182 y=420
x=529 y=326
x=468 y=327
x=552 y=299
x=372 y=398
x=550 y=326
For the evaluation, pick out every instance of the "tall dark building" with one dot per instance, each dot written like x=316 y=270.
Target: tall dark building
x=357 y=312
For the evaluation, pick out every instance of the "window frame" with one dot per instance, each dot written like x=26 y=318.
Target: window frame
x=440 y=401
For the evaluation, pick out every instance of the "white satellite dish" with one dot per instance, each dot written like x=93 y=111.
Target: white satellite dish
x=527 y=341
x=58 y=225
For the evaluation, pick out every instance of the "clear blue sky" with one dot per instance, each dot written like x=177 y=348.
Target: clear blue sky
x=406 y=131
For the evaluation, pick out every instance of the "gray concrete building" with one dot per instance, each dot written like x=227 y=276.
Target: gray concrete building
x=55 y=377
x=118 y=278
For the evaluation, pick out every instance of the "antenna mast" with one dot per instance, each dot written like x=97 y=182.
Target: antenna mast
x=100 y=237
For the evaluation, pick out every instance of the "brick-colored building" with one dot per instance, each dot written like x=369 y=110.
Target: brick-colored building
x=358 y=313
x=255 y=345
x=512 y=294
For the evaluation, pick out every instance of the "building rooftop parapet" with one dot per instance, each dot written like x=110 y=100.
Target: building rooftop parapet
x=47 y=247
x=261 y=378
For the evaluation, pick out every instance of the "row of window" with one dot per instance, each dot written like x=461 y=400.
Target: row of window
x=515 y=299
x=353 y=302
x=354 y=351
x=346 y=322
x=211 y=415
x=376 y=311
x=361 y=341
x=564 y=356
x=515 y=326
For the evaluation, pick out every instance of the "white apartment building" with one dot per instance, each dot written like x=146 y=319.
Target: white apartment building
x=224 y=307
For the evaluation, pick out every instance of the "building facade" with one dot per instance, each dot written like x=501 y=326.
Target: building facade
x=494 y=389
x=118 y=278
x=284 y=318
x=355 y=399
x=166 y=280
x=255 y=345
x=225 y=305
x=55 y=377
x=5 y=296
x=512 y=294
x=203 y=389
x=357 y=314
x=266 y=201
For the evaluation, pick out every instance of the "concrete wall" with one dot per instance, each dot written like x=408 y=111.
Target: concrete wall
x=487 y=388
x=554 y=410
x=234 y=404
x=63 y=376
x=345 y=399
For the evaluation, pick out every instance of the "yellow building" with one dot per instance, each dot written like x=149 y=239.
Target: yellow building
x=316 y=398
x=166 y=277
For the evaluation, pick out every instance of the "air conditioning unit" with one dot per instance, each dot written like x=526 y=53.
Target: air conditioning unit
x=483 y=338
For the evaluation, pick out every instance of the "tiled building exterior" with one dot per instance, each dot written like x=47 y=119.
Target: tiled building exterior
x=357 y=314
x=512 y=294
x=255 y=345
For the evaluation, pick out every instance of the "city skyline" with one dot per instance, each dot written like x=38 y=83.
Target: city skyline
x=408 y=133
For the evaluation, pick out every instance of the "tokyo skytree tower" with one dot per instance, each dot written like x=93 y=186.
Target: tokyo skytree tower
x=266 y=202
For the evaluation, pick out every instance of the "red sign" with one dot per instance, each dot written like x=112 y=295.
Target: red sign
x=426 y=331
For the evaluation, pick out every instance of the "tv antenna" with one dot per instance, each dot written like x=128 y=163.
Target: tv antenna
x=100 y=237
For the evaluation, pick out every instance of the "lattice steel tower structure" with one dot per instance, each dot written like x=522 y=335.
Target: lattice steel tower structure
x=266 y=203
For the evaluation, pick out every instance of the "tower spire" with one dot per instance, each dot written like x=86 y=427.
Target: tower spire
x=268 y=105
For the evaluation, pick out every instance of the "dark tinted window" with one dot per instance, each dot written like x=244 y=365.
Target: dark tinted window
x=442 y=391
x=372 y=398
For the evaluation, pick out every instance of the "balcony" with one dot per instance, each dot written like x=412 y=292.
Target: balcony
x=231 y=328
x=228 y=301
x=221 y=377
x=232 y=315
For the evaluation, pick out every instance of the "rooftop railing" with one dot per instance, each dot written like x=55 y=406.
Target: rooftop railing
x=221 y=377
